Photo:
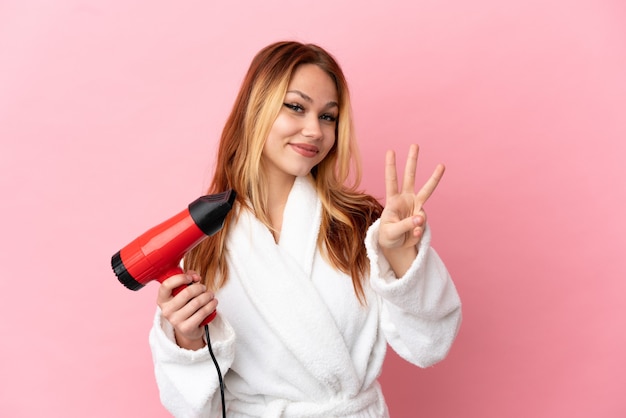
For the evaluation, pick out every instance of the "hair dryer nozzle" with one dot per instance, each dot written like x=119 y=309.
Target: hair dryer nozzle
x=209 y=212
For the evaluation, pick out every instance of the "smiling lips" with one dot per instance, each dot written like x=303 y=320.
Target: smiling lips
x=305 y=150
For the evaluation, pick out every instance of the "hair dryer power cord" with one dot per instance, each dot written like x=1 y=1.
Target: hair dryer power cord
x=217 y=367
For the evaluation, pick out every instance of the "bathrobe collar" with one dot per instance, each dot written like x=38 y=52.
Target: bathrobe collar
x=277 y=280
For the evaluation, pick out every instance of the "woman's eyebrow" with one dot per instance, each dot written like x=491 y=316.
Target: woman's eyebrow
x=310 y=100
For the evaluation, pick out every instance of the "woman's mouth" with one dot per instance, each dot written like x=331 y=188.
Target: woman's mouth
x=305 y=150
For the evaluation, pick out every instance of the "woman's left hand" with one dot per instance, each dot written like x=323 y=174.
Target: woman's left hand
x=403 y=220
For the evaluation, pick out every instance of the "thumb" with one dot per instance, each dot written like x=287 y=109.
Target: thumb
x=393 y=234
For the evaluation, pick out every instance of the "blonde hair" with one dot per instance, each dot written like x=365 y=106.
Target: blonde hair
x=346 y=212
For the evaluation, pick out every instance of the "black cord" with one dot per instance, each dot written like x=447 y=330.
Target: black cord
x=217 y=367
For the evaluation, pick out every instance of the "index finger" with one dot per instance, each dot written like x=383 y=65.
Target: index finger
x=429 y=187
x=172 y=283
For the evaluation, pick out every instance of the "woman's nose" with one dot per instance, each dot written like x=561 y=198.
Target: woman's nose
x=312 y=128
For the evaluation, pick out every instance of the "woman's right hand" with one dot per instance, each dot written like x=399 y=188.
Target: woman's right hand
x=187 y=309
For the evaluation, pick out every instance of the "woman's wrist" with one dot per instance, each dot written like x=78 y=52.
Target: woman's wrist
x=400 y=259
x=189 y=343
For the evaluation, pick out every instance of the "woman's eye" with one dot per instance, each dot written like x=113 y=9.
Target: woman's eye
x=328 y=118
x=294 y=107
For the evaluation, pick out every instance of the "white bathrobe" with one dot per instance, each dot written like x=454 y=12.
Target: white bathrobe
x=290 y=336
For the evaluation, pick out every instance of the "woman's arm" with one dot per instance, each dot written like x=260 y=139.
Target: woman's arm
x=185 y=373
x=187 y=379
x=421 y=310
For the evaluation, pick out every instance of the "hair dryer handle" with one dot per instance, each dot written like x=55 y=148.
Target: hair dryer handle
x=177 y=270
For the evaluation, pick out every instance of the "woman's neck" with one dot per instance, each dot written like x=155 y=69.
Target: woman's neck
x=278 y=193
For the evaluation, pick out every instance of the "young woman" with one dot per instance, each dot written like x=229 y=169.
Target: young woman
x=314 y=277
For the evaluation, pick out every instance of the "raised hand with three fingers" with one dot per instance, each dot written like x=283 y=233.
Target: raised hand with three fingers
x=403 y=220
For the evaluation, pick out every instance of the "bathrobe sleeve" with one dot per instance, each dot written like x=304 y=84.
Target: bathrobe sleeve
x=187 y=380
x=421 y=311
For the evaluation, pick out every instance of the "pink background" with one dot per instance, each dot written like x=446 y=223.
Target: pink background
x=109 y=114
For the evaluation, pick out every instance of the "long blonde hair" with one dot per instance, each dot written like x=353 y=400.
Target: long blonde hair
x=346 y=212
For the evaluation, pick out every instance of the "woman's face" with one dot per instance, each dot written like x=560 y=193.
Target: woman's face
x=304 y=131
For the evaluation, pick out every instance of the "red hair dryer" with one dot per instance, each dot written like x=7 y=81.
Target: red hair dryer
x=156 y=254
